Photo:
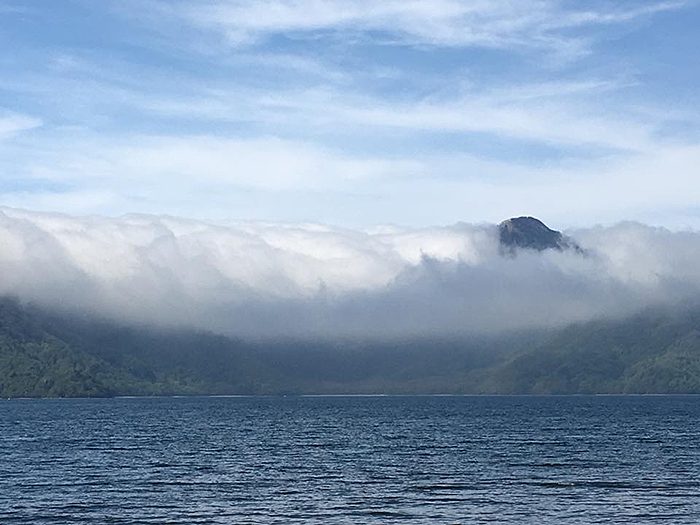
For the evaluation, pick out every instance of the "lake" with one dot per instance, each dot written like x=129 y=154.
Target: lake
x=328 y=460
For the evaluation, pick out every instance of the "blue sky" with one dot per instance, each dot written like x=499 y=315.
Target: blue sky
x=353 y=113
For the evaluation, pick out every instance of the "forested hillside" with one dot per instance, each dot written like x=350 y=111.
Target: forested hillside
x=49 y=355
x=45 y=354
x=655 y=352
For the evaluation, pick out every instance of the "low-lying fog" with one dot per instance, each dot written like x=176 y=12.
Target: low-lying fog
x=310 y=280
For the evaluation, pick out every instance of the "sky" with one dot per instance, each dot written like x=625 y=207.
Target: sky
x=353 y=113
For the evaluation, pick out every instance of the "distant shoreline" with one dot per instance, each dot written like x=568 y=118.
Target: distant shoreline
x=279 y=396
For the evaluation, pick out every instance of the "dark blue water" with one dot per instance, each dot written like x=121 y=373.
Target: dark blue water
x=351 y=460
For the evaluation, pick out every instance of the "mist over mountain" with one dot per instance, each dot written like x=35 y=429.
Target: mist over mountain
x=266 y=281
x=49 y=354
x=160 y=305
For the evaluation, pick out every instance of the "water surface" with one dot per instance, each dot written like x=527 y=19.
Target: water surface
x=328 y=460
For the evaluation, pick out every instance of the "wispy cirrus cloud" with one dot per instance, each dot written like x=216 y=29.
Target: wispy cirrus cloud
x=528 y=24
x=559 y=113
x=271 y=178
x=11 y=124
x=348 y=112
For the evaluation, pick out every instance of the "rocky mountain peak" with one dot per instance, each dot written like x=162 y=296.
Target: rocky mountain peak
x=531 y=233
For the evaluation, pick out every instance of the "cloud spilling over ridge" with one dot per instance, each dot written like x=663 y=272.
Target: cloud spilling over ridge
x=308 y=280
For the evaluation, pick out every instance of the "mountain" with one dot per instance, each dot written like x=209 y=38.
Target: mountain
x=44 y=354
x=654 y=352
x=531 y=233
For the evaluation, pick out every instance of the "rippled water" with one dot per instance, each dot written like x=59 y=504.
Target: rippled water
x=351 y=460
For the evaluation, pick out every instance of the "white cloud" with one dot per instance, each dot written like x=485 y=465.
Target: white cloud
x=569 y=114
x=271 y=178
x=270 y=280
x=11 y=124
x=561 y=113
x=208 y=161
x=526 y=24
x=546 y=122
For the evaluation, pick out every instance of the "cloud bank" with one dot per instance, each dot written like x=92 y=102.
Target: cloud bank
x=260 y=280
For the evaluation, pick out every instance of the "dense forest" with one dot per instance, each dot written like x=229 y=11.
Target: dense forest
x=45 y=354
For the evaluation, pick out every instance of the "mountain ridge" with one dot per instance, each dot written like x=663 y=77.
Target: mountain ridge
x=43 y=354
